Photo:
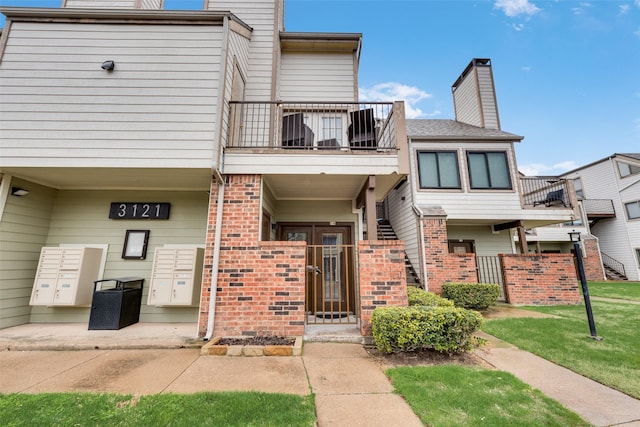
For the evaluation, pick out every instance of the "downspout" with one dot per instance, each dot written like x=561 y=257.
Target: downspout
x=216 y=258
x=425 y=278
x=217 y=171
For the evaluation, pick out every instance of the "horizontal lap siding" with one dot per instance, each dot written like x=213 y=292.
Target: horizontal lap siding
x=317 y=77
x=405 y=223
x=23 y=232
x=81 y=217
x=158 y=105
x=260 y=16
x=467 y=103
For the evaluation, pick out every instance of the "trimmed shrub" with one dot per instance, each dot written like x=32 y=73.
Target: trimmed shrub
x=443 y=329
x=475 y=296
x=419 y=296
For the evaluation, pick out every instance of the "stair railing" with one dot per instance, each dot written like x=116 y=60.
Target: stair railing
x=613 y=264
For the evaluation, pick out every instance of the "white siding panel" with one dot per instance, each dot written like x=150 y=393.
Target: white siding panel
x=487 y=98
x=405 y=223
x=467 y=103
x=260 y=15
x=158 y=103
x=100 y=4
x=486 y=242
x=317 y=77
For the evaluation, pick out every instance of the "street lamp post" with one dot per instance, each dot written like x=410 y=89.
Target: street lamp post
x=575 y=238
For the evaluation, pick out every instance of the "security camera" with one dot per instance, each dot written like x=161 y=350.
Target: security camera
x=108 y=65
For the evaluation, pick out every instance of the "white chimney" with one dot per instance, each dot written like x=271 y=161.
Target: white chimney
x=474 y=95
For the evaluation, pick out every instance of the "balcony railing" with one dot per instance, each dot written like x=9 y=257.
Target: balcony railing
x=312 y=126
x=599 y=208
x=545 y=192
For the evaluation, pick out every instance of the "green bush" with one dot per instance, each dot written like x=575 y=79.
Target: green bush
x=444 y=329
x=475 y=296
x=419 y=296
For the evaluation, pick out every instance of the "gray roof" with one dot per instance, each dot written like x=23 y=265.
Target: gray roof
x=451 y=129
x=635 y=156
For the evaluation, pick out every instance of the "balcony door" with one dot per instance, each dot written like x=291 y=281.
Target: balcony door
x=330 y=287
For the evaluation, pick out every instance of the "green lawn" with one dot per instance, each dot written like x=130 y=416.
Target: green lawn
x=619 y=290
x=199 y=409
x=449 y=395
x=615 y=361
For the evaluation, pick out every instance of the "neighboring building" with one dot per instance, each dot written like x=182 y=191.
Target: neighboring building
x=609 y=191
x=465 y=202
x=179 y=130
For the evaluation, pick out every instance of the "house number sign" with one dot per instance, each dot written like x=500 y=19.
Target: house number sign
x=139 y=210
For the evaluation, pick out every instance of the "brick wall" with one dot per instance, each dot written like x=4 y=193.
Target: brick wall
x=383 y=280
x=543 y=279
x=443 y=267
x=592 y=261
x=260 y=288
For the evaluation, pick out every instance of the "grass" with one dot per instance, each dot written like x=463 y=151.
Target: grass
x=615 y=361
x=199 y=409
x=619 y=290
x=450 y=395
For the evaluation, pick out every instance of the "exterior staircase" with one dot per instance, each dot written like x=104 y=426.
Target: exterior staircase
x=613 y=269
x=386 y=232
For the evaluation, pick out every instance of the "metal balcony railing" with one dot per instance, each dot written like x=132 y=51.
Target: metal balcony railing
x=545 y=192
x=312 y=126
x=599 y=208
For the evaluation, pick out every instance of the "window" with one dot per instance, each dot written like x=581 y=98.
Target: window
x=638 y=255
x=438 y=169
x=633 y=209
x=626 y=169
x=489 y=170
x=332 y=128
x=577 y=184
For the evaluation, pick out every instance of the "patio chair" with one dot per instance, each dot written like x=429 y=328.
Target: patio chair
x=362 y=130
x=295 y=134
x=552 y=198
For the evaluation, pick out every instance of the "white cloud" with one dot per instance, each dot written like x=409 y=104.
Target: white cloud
x=392 y=91
x=526 y=68
x=637 y=2
x=637 y=33
x=516 y=7
x=538 y=169
x=518 y=27
x=624 y=9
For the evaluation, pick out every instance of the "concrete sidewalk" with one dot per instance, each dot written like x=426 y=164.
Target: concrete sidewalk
x=350 y=389
x=596 y=403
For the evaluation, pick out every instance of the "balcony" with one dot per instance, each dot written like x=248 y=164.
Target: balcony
x=314 y=126
x=546 y=192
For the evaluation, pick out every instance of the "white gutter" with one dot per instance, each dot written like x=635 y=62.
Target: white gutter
x=216 y=259
x=425 y=278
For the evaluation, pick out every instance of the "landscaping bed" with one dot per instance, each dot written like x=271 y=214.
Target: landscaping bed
x=253 y=346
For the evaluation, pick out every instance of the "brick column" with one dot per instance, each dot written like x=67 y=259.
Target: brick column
x=260 y=287
x=383 y=279
x=442 y=266
x=592 y=261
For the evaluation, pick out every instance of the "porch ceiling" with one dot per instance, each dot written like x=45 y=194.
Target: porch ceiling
x=326 y=187
x=116 y=179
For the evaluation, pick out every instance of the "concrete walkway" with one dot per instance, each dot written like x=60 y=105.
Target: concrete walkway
x=596 y=403
x=350 y=388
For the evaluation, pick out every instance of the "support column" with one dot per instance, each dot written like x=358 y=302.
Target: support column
x=367 y=198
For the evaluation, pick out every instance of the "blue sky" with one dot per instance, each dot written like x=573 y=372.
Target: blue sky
x=567 y=73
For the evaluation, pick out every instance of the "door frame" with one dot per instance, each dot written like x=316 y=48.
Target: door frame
x=313 y=230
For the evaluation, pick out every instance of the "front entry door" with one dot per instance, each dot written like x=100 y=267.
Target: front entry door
x=330 y=284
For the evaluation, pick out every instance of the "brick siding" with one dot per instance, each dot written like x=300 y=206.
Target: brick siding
x=383 y=280
x=592 y=261
x=443 y=267
x=260 y=289
x=543 y=279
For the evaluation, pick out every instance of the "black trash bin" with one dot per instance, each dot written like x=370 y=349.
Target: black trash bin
x=116 y=303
